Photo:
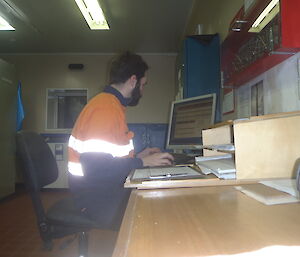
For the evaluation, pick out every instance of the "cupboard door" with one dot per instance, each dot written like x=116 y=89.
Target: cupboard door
x=8 y=107
x=202 y=65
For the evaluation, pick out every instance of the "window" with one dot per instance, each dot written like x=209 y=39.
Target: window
x=64 y=106
x=257 y=99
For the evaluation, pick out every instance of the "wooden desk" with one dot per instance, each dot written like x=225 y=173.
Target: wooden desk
x=206 y=221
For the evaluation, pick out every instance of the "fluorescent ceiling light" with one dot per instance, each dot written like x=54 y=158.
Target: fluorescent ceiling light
x=92 y=13
x=266 y=16
x=4 y=25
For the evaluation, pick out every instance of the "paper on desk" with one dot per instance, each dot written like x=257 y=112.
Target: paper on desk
x=209 y=158
x=221 y=148
x=222 y=166
x=266 y=195
x=285 y=185
x=201 y=159
x=204 y=169
x=223 y=175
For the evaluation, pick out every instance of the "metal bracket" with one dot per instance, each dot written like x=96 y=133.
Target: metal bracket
x=238 y=24
x=240 y=21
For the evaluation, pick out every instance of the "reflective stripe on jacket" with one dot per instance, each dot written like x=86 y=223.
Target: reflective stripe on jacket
x=101 y=127
x=95 y=146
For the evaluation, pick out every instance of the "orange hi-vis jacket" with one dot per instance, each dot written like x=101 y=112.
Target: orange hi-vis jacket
x=101 y=128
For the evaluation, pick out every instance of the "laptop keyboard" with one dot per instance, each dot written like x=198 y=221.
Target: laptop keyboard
x=181 y=158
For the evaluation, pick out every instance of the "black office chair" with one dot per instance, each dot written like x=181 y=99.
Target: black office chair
x=40 y=169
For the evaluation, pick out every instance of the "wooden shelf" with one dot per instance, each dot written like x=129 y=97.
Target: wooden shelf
x=265 y=146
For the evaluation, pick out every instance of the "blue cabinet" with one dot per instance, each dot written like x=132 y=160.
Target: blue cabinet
x=149 y=135
x=145 y=135
x=140 y=140
x=199 y=66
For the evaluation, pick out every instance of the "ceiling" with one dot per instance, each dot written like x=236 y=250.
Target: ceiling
x=57 y=26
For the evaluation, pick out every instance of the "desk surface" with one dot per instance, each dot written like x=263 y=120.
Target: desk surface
x=206 y=221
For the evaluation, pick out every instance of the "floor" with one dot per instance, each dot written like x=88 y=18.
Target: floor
x=19 y=236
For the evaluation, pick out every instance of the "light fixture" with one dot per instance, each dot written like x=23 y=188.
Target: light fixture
x=93 y=14
x=266 y=16
x=9 y=9
x=4 y=25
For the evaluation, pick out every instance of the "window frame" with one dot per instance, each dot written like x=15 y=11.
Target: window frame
x=66 y=130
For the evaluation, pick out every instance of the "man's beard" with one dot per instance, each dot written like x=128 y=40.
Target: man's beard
x=136 y=95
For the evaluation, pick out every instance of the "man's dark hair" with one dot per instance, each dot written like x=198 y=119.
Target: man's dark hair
x=126 y=65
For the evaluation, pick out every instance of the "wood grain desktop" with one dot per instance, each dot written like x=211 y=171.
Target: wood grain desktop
x=205 y=221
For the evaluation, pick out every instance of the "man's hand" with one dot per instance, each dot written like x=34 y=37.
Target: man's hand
x=158 y=159
x=148 y=151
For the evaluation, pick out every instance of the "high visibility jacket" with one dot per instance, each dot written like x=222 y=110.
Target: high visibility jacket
x=101 y=157
x=101 y=128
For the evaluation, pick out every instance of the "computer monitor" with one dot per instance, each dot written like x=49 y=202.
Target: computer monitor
x=187 y=119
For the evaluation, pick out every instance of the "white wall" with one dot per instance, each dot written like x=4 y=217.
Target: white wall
x=38 y=72
x=281 y=90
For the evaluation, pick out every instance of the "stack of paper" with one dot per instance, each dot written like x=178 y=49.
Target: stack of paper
x=271 y=194
x=285 y=185
x=226 y=148
x=222 y=166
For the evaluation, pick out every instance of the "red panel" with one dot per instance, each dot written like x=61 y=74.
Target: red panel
x=257 y=68
x=290 y=41
x=290 y=23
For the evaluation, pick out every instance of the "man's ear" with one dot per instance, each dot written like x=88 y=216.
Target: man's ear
x=133 y=81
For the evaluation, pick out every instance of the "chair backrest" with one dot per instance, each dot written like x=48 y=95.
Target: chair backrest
x=39 y=164
x=39 y=169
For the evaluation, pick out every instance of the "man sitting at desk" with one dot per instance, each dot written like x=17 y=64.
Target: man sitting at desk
x=101 y=153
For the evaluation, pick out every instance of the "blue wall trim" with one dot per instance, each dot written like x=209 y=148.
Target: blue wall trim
x=145 y=135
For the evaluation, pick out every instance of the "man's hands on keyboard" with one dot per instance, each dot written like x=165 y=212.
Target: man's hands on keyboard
x=181 y=158
x=158 y=159
x=148 y=151
x=154 y=157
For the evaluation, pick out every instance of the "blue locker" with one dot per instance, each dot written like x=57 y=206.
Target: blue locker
x=201 y=67
x=140 y=136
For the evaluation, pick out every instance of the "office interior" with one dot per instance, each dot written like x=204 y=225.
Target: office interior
x=39 y=69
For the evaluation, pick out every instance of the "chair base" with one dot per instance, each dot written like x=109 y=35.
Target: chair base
x=83 y=244
x=47 y=245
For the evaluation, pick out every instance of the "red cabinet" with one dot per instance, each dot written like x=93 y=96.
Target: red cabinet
x=245 y=55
